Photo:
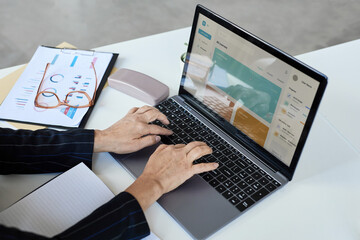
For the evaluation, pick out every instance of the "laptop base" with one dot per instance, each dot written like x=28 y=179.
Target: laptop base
x=186 y=204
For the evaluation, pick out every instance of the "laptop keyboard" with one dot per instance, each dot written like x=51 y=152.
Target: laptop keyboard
x=237 y=178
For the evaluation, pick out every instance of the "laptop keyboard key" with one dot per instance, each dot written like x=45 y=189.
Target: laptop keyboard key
x=249 y=170
x=201 y=160
x=188 y=130
x=248 y=160
x=256 y=186
x=177 y=121
x=249 y=180
x=236 y=169
x=234 y=200
x=207 y=177
x=242 y=206
x=182 y=135
x=191 y=124
x=228 y=183
x=214 y=182
x=241 y=195
x=242 y=185
x=203 y=133
x=216 y=153
x=160 y=107
x=188 y=139
x=171 y=116
x=221 y=178
x=220 y=147
x=171 y=126
x=220 y=188
x=262 y=172
x=187 y=120
x=233 y=157
x=263 y=181
x=208 y=138
x=276 y=183
x=227 y=194
x=182 y=126
x=241 y=164
x=256 y=175
x=226 y=172
x=227 y=152
x=223 y=159
x=249 y=191
x=243 y=174
x=178 y=141
x=193 y=134
x=255 y=166
x=235 y=179
x=269 y=177
x=235 y=189
x=197 y=128
x=230 y=164
x=211 y=158
x=199 y=138
x=270 y=187
x=215 y=173
x=260 y=194
x=177 y=130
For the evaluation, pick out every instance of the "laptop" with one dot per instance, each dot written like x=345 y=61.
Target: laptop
x=252 y=104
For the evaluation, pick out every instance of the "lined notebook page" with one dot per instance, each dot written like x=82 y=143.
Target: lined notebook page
x=58 y=204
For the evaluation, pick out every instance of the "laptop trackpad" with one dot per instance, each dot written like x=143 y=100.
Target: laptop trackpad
x=197 y=206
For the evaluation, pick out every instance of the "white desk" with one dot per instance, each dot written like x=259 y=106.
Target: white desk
x=322 y=201
x=341 y=103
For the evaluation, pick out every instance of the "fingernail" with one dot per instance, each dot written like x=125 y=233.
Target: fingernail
x=216 y=165
x=157 y=138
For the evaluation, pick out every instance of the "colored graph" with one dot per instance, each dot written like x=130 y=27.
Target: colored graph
x=21 y=103
x=69 y=112
x=49 y=90
x=74 y=61
x=55 y=58
x=27 y=91
x=56 y=78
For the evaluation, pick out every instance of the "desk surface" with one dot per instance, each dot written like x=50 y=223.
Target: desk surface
x=320 y=203
x=341 y=102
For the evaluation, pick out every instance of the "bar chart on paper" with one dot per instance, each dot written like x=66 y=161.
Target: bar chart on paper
x=54 y=77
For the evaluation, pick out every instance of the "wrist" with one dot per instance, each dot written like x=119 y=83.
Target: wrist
x=99 y=141
x=146 y=190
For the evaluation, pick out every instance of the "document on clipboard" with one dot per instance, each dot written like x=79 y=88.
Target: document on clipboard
x=68 y=70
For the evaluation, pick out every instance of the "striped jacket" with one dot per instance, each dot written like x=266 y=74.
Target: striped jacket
x=44 y=151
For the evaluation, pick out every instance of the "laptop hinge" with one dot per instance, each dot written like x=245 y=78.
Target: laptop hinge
x=282 y=177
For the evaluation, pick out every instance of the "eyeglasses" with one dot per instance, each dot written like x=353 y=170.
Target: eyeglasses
x=75 y=99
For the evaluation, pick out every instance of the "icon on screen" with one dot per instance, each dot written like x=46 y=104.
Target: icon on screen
x=204 y=23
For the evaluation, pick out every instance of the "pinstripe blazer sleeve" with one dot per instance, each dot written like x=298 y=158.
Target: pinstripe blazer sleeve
x=44 y=151
x=121 y=218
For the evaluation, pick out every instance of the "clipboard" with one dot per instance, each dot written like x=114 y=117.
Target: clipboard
x=111 y=58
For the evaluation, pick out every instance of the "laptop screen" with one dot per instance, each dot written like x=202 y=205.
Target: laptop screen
x=259 y=94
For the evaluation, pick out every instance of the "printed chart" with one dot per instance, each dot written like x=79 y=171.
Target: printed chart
x=69 y=78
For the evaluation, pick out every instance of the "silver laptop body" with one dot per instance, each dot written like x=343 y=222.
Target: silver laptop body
x=251 y=95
